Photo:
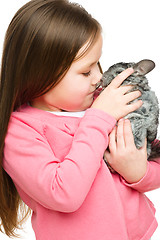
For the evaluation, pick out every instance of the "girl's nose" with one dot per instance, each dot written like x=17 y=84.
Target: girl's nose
x=97 y=78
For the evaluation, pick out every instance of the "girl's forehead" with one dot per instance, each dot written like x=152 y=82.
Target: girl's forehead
x=90 y=47
x=92 y=54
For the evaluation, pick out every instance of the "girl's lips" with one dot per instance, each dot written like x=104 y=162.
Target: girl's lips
x=97 y=92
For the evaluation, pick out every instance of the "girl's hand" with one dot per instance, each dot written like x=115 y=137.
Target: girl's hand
x=123 y=156
x=114 y=99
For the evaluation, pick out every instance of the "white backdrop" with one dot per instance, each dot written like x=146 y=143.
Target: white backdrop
x=131 y=33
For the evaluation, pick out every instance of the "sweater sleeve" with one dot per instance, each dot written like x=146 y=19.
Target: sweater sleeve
x=58 y=185
x=150 y=181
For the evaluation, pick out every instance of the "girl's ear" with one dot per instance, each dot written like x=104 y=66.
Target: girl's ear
x=143 y=67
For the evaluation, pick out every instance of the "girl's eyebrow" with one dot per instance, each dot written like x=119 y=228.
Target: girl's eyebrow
x=90 y=64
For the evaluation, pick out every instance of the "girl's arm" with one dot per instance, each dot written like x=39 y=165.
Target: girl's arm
x=130 y=162
x=58 y=184
x=151 y=179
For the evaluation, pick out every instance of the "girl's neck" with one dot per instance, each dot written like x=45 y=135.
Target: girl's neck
x=68 y=114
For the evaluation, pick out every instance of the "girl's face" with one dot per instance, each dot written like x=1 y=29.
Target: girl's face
x=76 y=89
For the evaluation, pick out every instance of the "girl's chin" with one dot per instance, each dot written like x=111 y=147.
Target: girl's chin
x=80 y=107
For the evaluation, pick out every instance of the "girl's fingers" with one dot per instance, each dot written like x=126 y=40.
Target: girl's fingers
x=145 y=143
x=120 y=134
x=144 y=147
x=128 y=135
x=126 y=88
x=132 y=96
x=117 y=81
x=112 y=140
x=133 y=106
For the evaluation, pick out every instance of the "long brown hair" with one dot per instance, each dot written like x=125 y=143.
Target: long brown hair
x=41 y=42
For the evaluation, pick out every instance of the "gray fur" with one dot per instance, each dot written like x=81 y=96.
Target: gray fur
x=144 y=121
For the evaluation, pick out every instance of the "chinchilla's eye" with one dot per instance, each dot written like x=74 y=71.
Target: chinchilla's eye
x=118 y=72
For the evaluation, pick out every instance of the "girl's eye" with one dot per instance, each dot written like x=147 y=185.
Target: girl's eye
x=87 y=74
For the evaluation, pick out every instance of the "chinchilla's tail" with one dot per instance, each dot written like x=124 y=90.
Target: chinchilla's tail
x=155 y=150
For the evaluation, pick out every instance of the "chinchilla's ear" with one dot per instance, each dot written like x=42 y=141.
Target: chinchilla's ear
x=143 y=67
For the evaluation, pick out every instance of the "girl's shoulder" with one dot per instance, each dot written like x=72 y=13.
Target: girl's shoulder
x=27 y=117
x=26 y=120
x=32 y=120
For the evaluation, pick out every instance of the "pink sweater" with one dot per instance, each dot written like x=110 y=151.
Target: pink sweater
x=57 y=165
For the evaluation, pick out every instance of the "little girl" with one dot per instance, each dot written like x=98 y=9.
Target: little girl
x=54 y=134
